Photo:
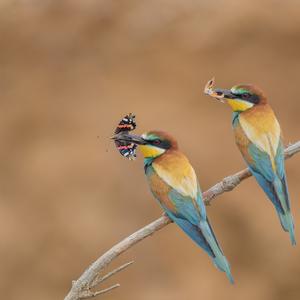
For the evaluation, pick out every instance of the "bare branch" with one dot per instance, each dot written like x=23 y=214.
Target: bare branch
x=81 y=288
x=83 y=283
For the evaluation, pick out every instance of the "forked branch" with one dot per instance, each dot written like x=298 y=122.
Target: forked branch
x=81 y=288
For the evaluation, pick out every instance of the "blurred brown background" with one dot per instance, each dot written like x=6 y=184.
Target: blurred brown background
x=69 y=70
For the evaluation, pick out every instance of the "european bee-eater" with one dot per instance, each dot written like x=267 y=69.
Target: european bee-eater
x=258 y=137
x=174 y=184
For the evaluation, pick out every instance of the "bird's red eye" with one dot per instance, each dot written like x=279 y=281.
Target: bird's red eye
x=156 y=142
x=246 y=95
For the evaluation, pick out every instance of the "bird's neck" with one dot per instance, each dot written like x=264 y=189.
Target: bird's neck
x=235 y=118
x=148 y=162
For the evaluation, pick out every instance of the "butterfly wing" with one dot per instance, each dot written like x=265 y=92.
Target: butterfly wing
x=126 y=149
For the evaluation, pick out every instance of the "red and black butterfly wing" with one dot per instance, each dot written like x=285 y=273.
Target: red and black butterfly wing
x=126 y=124
x=126 y=149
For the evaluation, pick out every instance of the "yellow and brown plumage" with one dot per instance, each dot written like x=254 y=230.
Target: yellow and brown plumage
x=258 y=137
x=173 y=182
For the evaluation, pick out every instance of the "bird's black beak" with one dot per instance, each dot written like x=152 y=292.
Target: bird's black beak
x=130 y=138
x=219 y=94
x=222 y=93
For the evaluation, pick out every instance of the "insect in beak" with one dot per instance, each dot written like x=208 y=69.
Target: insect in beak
x=215 y=93
x=125 y=147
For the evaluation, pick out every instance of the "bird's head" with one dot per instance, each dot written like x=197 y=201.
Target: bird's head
x=157 y=143
x=152 y=144
x=241 y=97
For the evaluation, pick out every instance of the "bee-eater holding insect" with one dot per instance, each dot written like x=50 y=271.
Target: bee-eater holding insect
x=258 y=137
x=174 y=184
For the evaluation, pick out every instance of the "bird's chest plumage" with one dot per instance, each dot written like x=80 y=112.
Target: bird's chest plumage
x=159 y=188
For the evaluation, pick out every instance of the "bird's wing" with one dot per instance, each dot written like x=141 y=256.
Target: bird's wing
x=186 y=211
x=271 y=175
x=175 y=186
x=184 y=192
x=263 y=151
x=178 y=173
x=263 y=131
x=188 y=208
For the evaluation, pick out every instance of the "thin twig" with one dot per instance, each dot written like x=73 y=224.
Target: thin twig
x=98 y=279
x=81 y=286
x=89 y=294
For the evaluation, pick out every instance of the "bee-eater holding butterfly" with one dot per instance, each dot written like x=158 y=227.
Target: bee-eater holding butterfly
x=258 y=137
x=174 y=184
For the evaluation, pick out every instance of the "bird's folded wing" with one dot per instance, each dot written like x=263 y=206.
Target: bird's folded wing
x=179 y=174
x=260 y=142
x=263 y=132
x=268 y=165
x=268 y=168
x=184 y=190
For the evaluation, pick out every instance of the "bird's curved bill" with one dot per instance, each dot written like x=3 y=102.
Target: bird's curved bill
x=130 y=138
x=219 y=94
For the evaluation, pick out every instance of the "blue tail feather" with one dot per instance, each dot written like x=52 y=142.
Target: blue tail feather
x=278 y=194
x=219 y=259
x=287 y=224
x=205 y=238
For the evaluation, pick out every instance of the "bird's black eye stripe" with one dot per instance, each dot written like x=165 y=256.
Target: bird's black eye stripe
x=160 y=143
x=250 y=98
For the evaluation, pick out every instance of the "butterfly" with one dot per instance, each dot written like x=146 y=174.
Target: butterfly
x=126 y=149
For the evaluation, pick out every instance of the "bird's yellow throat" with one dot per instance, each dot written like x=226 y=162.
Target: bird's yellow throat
x=239 y=105
x=151 y=151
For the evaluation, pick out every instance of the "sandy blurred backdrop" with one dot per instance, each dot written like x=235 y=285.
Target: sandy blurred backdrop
x=69 y=70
